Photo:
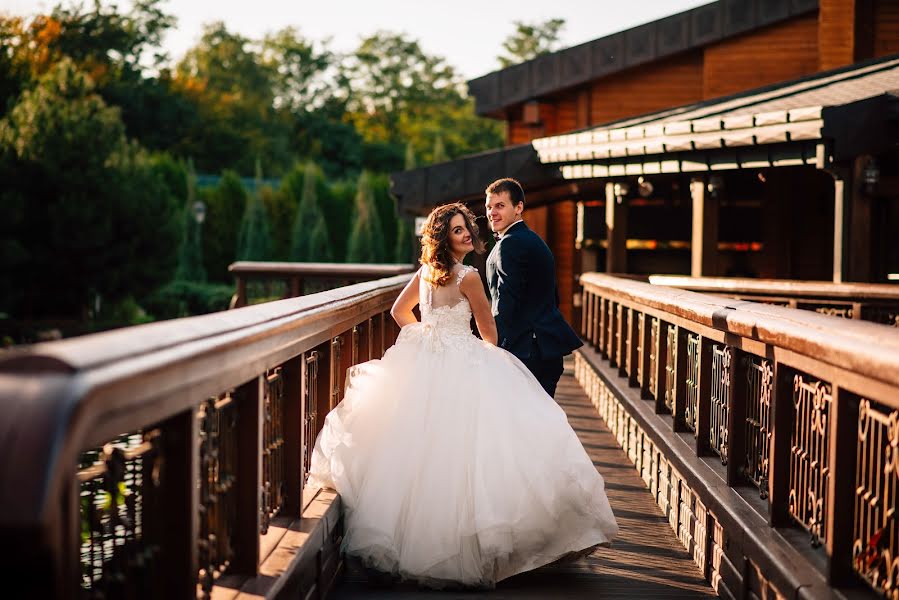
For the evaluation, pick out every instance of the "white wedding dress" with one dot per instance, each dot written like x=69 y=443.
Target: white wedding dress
x=453 y=464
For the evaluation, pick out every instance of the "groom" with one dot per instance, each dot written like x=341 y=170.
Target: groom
x=521 y=274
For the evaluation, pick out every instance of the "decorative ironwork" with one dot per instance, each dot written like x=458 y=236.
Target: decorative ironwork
x=310 y=403
x=691 y=411
x=809 y=459
x=842 y=311
x=875 y=551
x=759 y=386
x=218 y=493
x=886 y=314
x=274 y=486
x=654 y=359
x=117 y=485
x=336 y=351
x=641 y=331
x=670 y=367
x=720 y=400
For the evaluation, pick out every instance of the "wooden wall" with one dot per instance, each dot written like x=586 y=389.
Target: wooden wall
x=781 y=52
x=562 y=224
x=663 y=84
x=886 y=27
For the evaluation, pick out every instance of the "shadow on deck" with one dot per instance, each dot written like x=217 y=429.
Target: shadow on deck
x=645 y=561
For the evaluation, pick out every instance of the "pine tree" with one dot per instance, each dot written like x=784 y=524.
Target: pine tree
x=309 y=241
x=410 y=157
x=366 y=243
x=439 y=151
x=190 y=255
x=402 y=251
x=253 y=241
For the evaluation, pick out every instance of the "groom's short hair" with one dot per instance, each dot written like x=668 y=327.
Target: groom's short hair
x=507 y=184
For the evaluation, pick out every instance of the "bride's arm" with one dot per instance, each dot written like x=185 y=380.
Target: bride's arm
x=473 y=289
x=401 y=311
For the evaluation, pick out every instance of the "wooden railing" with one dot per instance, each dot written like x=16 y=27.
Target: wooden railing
x=713 y=398
x=877 y=302
x=297 y=277
x=164 y=460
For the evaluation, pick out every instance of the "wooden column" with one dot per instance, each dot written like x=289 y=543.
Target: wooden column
x=841 y=192
x=841 y=487
x=736 y=417
x=249 y=477
x=704 y=245
x=781 y=440
x=704 y=399
x=616 y=231
x=860 y=226
x=293 y=435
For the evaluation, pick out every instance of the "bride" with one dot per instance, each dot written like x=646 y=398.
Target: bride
x=453 y=464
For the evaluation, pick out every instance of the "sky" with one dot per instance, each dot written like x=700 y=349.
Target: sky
x=468 y=33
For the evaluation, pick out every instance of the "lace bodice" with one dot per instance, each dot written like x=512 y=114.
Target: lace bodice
x=445 y=309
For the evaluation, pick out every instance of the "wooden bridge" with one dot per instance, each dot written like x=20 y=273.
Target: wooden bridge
x=749 y=450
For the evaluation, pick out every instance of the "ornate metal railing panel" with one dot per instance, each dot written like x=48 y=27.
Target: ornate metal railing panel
x=225 y=412
x=803 y=406
x=671 y=367
x=810 y=462
x=720 y=398
x=310 y=404
x=759 y=390
x=273 y=483
x=218 y=503
x=875 y=532
x=117 y=487
x=691 y=409
x=654 y=359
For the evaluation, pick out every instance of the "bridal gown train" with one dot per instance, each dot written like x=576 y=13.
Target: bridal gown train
x=453 y=464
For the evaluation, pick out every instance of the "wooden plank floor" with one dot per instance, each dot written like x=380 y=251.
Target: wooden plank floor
x=645 y=560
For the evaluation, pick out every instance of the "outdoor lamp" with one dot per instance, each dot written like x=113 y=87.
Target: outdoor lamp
x=715 y=185
x=644 y=187
x=871 y=176
x=199 y=211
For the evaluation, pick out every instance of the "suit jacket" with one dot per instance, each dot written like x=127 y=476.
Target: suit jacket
x=521 y=275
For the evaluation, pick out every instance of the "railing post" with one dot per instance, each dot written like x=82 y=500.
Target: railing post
x=633 y=345
x=597 y=320
x=704 y=397
x=736 y=417
x=781 y=440
x=679 y=405
x=173 y=520
x=603 y=319
x=843 y=460
x=292 y=374
x=620 y=331
x=646 y=356
x=661 y=374
x=586 y=317
x=241 y=292
x=249 y=476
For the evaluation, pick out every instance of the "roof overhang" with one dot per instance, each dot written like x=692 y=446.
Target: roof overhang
x=571 y=67
x=856 y=117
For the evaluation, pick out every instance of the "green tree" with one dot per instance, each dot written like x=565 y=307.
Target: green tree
x=385 y=204
x=190 y=254
x=309 y=242
x=225 y=206
x=89 y=224
x=402 y=252
x=410 y=157
x=366 y=244
x=439 y=155
x=336 y=204
x=530 y=40
x=254 y=239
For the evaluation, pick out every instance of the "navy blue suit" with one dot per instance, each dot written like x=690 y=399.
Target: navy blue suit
x=521 y=275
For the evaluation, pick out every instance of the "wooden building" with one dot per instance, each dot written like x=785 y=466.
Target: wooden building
x=742 y=137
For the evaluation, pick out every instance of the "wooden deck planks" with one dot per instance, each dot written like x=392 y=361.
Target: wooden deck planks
x=645 y=561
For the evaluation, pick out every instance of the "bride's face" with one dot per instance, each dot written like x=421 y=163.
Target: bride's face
x=459 y=236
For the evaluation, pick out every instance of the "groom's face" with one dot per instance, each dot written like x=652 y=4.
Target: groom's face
x=501 y=212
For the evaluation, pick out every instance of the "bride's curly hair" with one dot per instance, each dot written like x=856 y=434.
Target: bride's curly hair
x=435 y=245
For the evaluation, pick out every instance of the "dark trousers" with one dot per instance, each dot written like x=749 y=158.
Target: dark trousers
x=548 y=371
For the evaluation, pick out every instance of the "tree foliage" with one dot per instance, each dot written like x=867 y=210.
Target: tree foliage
x=530 y=40
x=309 y=241
x=366 y=244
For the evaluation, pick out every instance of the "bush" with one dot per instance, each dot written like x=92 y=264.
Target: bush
x=187 y=298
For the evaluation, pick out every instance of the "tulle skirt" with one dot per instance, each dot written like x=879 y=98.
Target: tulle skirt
x=455 y=467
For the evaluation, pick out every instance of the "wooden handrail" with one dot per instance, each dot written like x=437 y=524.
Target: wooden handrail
x=295 y=274
x=798 y=404
x=869 y=349
x=781 y=287
x=63 y=398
